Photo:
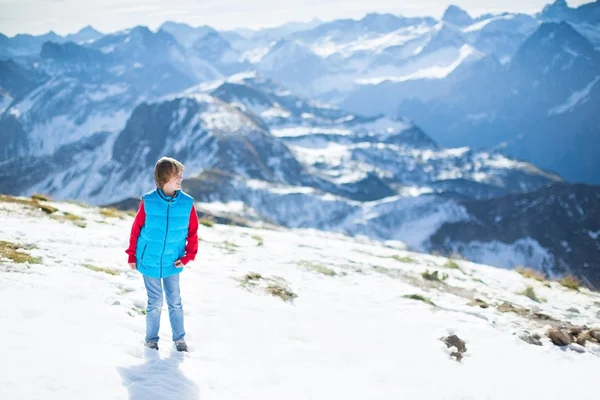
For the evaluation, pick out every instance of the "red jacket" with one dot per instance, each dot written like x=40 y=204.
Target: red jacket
x=191 y=247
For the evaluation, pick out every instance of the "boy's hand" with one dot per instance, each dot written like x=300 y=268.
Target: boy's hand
x=179 y=264
x=132 y=266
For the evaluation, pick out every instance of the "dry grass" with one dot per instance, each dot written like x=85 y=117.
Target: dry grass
x=40 y=197
x=529 y=292
x=434 y=276
x=77 y=203
x=418 y=297
x=251 y=278
x=46 y=208
x=206 y=222
x=12 y=252
x=452 y=265
x=479 y=303
x=570 y=282
x=109 y=271
x=68 y=217
x=531 y=273
x=281 y=292
x=258 y=239
x=314 y=266
x=405 y=259
x=111 y=212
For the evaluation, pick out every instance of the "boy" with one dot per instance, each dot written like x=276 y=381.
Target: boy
x=164 y=222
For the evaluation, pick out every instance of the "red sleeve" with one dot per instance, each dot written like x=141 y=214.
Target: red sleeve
x=138 y=223
x=191 y=248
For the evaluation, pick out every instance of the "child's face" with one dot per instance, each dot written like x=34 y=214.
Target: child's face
x=174 y=183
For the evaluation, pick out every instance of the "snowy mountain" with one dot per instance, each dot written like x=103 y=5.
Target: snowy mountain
x=501 y=35
x=85 y=35
x=185 y=34
x=24 y=44
x=560 y=11
x=292 y=63
x=539 y=107
x=264 y=307
x=555 y=228
x=457 y=16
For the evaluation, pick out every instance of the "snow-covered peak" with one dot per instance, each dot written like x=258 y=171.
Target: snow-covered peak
x=211 y=46
x=554 y=46
x=445 y=34
x=185 y=34
x=558 y=10
x=457 y=16
x=85 y=35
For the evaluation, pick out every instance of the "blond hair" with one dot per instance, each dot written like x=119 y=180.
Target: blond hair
x=164 y=170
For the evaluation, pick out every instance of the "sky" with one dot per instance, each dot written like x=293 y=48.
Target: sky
x=68 y=16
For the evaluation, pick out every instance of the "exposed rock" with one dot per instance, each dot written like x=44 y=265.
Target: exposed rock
x=583 y=337
x=559 y=337
x=456 y=342
x=531 y=339
x=479 y=303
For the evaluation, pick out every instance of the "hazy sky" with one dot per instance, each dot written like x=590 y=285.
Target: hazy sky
x=68 y=16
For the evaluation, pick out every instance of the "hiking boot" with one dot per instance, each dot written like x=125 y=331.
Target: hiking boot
x=152 y=345
x=181 y=345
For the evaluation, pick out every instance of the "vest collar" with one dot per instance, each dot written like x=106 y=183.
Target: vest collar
x=170 y=199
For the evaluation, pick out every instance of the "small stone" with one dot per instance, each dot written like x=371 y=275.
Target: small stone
x=116 y=303
x=595 y=333
x=542 y=316
x=559 y=337
x=479 y=303
x=573 y=310
x=575 y=330
x=455 y=341
x=531 y=339
x=583 y=337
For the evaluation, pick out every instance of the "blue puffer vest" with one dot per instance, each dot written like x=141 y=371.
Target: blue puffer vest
x=162 y=239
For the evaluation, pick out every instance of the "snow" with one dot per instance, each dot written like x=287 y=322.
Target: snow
x=220 y=118
x=387 y=125
x=571 y=51
x=578 y=97
x=350 y=336
x=14 y=112
x=102 y=92
x=5 y=101
x=371 y=43
x=275 y=112
x=308 y=130
x=60 y=130
x=477 y=26
x=524 y=252
x=241 y=77
x=430 y=70
x=255 y=55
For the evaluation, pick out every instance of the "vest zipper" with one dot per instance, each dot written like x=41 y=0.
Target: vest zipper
x=165 y=241
x=143 y=252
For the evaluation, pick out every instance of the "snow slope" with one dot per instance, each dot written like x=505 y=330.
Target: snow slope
x=69 y=332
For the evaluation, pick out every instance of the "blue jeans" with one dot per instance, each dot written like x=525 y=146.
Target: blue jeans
x=154 y=289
